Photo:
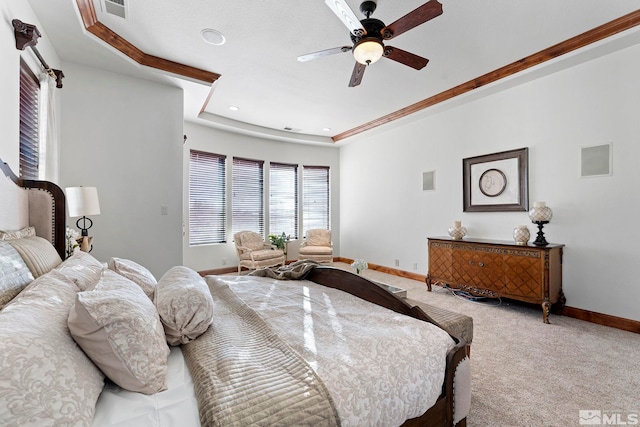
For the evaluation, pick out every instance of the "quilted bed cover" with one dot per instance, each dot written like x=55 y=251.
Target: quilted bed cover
x=379 y=367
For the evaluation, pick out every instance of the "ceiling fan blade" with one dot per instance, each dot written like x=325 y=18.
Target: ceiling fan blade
x=346 y=15
x=321 y=53
x=356 y=76
x=418 y=16
x=404 y=57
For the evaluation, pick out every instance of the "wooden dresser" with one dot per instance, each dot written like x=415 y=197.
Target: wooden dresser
x=496 y=268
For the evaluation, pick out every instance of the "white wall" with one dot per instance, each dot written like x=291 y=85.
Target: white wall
x=124 y=136
x=10 y=75
x=385 y=215
x=205 y=257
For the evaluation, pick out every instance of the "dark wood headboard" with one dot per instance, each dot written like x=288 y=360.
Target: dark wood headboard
x=58 y=206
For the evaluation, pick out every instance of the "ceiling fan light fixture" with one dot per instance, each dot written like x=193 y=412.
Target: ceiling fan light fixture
x=368 y=50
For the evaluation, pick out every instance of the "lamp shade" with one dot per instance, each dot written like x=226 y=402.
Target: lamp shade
x=540 y=212
x=82 y=201
x=368 y=51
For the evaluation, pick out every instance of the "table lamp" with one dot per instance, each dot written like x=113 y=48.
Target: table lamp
x=81 y=202
x=540 y=215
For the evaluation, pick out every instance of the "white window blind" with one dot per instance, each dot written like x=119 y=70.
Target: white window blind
x=247 y=200
x=283 y=199
x=315 y=197
x=207 y=198
x=29 y=92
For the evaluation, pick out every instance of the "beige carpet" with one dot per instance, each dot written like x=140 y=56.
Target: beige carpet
x=527 y=373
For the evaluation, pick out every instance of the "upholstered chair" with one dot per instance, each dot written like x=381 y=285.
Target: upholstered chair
x=254 y=252
x=317 y=246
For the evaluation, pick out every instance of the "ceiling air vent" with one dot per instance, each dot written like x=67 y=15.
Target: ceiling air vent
x=115 y=7
x=290 y=129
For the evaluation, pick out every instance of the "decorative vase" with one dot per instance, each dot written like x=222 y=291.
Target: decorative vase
x=457 y=232
x=521 y=235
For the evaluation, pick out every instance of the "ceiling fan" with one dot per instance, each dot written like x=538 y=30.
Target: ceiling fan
x=368 y=34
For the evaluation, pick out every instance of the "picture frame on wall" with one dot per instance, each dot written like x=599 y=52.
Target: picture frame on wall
x=497 y=182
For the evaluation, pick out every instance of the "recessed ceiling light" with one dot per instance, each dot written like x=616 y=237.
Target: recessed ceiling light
x=233 y=108
x=212 y=36
x=326 y=129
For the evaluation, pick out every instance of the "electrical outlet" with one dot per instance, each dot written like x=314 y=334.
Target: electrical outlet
x=397 y=263
x=224 y=261
x=415 y=265
x=164 y=210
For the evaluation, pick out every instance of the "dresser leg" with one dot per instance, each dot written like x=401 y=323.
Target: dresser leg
x=428 y=281
x=546 y=307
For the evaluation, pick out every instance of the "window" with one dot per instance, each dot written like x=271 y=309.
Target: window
x=29 y=151
x=283 y=199
x=247 y=200
x=207 y=198
x=315 y=197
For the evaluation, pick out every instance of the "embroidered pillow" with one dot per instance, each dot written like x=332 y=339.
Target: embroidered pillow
x=136 y=273
x=83 y=269
x=18 y=234
x=14 y=273
x=45 y=378
x=185 y=305
x=118 y=327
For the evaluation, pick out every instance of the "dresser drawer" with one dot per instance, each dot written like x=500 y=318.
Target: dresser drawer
x=479 y=269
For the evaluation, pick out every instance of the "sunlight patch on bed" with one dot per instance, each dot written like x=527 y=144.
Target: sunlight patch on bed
x=309 y=336
x=336 y=326
x=265 y=304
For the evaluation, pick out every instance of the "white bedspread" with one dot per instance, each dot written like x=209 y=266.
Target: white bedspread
x=380 y=367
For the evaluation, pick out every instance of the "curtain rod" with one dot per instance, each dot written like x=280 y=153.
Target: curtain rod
x=27 y=36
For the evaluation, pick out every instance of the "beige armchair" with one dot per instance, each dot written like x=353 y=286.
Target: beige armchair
x=254 y=252
x=317 y=246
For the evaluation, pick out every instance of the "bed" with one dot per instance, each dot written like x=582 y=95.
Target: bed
x=255 y=350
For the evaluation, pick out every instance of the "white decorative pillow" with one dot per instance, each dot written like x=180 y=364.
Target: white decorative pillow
x=83 y=269
x=38 y=253
x=18 y=234
x=136 y=273
x=185 y=305
x=118 y=327
x=45 y=378
x=14 y=273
